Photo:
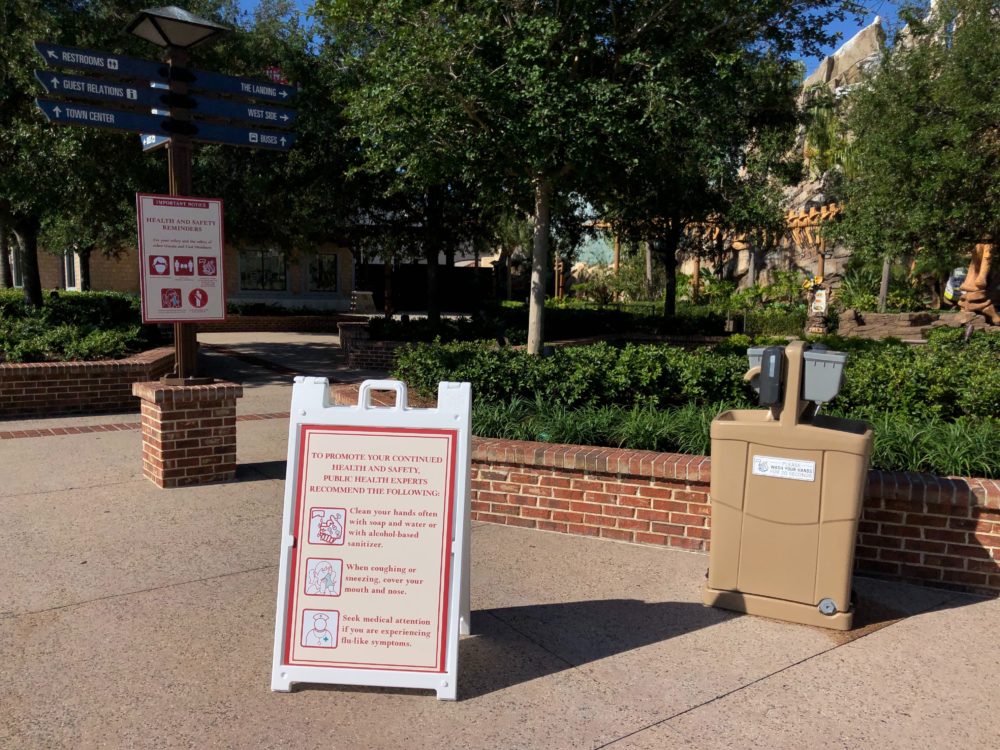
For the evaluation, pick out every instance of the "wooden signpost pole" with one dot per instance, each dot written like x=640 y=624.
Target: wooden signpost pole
x=179 y=166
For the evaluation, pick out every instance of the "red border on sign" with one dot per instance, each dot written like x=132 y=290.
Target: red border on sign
x=142 y=254
x=444 y=589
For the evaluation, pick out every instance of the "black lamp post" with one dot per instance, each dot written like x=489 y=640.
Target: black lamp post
x=178 y=31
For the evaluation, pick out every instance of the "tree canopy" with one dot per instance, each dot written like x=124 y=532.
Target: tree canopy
x=924 y=160
x=645 y=107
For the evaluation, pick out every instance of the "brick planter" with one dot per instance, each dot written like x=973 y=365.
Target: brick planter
x=362 y=352
x=188 y=432
x=940 y=531
x=53 y=388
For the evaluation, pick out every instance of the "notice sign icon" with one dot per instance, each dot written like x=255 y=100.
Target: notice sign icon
x=198 y=298
x=184 y=265
x=159 y=265
x=170 y=299
x=207 y=267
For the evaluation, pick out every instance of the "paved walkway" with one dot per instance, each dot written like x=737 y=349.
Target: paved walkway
x=137 y=617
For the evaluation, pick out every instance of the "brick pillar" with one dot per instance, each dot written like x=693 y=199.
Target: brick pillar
x=188 y=432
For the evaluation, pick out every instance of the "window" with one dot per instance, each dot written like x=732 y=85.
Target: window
x=69 y=262
x=323 y=272
x=15 y=263
x=263 y=270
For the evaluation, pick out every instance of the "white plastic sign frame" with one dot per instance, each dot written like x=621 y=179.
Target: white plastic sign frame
x=312 y=411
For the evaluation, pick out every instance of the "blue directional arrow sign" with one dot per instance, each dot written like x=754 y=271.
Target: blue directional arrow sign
x=274 y=116
x=234 y=136
x=151 y=141
x=102 y=62
x=245 y=87
x=100 y=89
x=70 y=113
x=122 y=66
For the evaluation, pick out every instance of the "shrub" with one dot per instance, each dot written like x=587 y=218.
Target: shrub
x=946 y=379
x=967 y=447
x=72 y=326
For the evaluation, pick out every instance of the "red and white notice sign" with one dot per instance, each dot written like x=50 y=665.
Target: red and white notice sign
x=376 y=506
x=180 y=259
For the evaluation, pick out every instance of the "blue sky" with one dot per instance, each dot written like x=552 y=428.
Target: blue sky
x=884 y=8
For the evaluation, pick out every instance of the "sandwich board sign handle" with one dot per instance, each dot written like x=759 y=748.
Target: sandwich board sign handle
x=373 y=577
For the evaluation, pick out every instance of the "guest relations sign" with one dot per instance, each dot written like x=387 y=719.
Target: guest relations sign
x=373 y=579
x=180 y=257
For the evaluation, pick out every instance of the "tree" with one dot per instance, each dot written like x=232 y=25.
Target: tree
x=924 y=177
x=718 y=157
x=546 y=99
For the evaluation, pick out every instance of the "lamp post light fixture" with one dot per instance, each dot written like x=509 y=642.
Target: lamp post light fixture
x=174 y=27
x=177 y=31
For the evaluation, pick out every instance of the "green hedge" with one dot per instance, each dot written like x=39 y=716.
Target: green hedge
x=966 y=447
x=72 y=326
x=946 y=379
x=594 y=375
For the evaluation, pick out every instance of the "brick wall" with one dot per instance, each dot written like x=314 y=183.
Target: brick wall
x=118 y=274
x=919 y=528
x=52 y=388
x=363 y=353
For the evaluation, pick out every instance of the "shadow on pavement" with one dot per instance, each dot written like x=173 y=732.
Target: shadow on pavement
x=567 y=635
x=260 y=471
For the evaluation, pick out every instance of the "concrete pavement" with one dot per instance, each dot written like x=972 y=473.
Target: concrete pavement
x=137 y=617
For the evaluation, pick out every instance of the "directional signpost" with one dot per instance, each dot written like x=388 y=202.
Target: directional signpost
x=121 y=66
x=155 y=100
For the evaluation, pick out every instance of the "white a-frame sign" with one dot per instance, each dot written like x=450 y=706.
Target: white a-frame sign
x=373 y=582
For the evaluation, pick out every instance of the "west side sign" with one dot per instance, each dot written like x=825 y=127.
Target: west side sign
x=373 y=584
x=180 y=259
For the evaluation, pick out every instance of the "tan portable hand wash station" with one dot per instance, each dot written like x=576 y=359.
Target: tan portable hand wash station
x=786 y=491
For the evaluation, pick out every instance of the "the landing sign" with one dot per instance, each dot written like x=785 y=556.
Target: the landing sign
x=180 y=259
x=373 y=588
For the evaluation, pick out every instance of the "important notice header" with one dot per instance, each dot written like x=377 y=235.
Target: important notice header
x=179 y=203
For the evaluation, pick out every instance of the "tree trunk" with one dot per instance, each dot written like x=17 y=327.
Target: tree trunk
x=433 y=301
x=432 y=246
x=84 y=279
x=387 y=285
x=539 y=265
x=668 y=250
x=27 y=237
x=649 y=271
x=6 y=272
x=883 y=292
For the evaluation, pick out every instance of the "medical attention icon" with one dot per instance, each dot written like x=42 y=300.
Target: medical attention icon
x=319 y=628
x=184 y=265
x=159 y=265
x=198 y=298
